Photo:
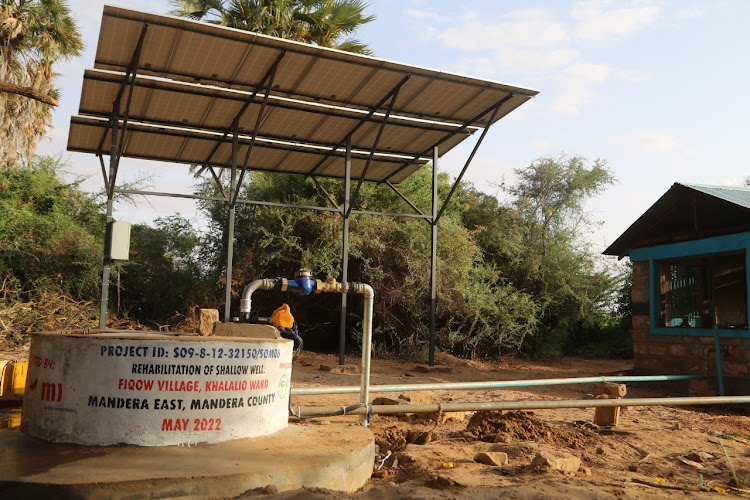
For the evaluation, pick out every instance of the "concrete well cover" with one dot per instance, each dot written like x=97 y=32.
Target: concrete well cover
x=155 y=390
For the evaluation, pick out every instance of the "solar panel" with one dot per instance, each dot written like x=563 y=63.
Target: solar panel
x=194 y=78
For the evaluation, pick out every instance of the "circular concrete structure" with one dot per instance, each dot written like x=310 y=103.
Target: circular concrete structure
x=336 y=456
x=155 y=390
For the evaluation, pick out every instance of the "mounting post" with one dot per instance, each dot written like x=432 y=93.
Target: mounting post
x=345 y=250
x=230 y=229
x=103 y=306
x=433 y=255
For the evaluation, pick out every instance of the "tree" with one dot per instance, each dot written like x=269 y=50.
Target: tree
x=568 y=281
x=51 y=232
x=34 y=35
x=327 y=23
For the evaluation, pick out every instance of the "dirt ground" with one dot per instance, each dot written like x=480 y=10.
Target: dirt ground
x=434 y=457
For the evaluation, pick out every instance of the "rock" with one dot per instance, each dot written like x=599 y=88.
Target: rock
x=246 y=330
x=516 y=451
x=417 y=397
x=341 y=369
x=585 y=470
x=600 y=451
x=633 y=468
x=690 y=463
x=501 y=438
x=701 y=456
x=207 y=319
x=564 y=464
x=387 y=401
x=433 y=369
x=442 y=482
x=496 y=458
x=419 y=437
x=712 y=470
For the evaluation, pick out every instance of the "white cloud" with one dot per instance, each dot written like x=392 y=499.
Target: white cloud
x=520 y=30
x=633 y=75
x=652 y=141
x=585 y=74
x=570 y=100
x=421 y=15
x=690 y=13
x=599 y=20
x=540 y=145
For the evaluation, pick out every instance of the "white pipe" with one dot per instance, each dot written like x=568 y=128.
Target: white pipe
x=369 y=293
x=530 y=405
x=247 y=293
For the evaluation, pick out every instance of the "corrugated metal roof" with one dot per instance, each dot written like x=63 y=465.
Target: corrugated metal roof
x=737 y=195
x=674 y=201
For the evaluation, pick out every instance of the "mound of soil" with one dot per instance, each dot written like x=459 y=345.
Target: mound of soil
x=510 y=426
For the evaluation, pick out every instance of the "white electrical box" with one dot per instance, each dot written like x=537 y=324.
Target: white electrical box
x=119 y=244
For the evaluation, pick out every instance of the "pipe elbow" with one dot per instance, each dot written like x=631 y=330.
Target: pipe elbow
x=247 y=293
x=362 y=289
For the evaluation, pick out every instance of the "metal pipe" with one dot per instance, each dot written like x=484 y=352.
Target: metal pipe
x=433 y=256
x=496 y=384
x=530 y=405
x=369 y=294
x=331 y=287
x=230 y=229
x=719 y=370
x=345 y=248
x=113 y=160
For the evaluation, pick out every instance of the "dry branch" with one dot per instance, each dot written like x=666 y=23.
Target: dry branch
x=29 y=92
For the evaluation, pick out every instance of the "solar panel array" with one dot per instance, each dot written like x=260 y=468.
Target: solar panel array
x=194 y=78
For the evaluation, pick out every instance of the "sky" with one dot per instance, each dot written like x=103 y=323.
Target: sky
x=657 y=89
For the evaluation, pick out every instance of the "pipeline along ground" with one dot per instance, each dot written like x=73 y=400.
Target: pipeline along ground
x=434 y=457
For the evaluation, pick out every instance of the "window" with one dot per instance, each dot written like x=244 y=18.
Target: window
x=704 y=292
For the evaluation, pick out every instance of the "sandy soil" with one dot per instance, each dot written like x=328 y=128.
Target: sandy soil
x=435 y=458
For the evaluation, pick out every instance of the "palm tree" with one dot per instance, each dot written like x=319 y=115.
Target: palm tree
x=327 y=23
x=34 y=34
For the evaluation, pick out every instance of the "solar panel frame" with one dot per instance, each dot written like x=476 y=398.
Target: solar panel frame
x=153 y=142
x=195 y=78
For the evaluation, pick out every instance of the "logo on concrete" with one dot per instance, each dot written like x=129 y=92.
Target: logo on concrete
x=283 y=386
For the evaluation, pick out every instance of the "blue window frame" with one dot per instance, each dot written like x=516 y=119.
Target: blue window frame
x=692 y=278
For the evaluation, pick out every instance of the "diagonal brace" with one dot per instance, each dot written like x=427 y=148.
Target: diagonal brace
x=459 y=130
x=361 y=122
x=403 y=197
x=353 y=200
x=244 y=107
x=132 y=73
x=258 y=123
x=218 y=182
x=468 y=162
x=325 y=192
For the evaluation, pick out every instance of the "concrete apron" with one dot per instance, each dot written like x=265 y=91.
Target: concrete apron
x=336 y=456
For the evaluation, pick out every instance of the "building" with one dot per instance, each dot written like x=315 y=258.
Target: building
x=690 y=274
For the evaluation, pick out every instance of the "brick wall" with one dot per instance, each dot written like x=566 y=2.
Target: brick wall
x=677 y=354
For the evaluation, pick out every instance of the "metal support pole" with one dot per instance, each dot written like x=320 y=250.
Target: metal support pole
x=113 y=158
x=433 y=255
x=345 y=250
x=230 y=232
